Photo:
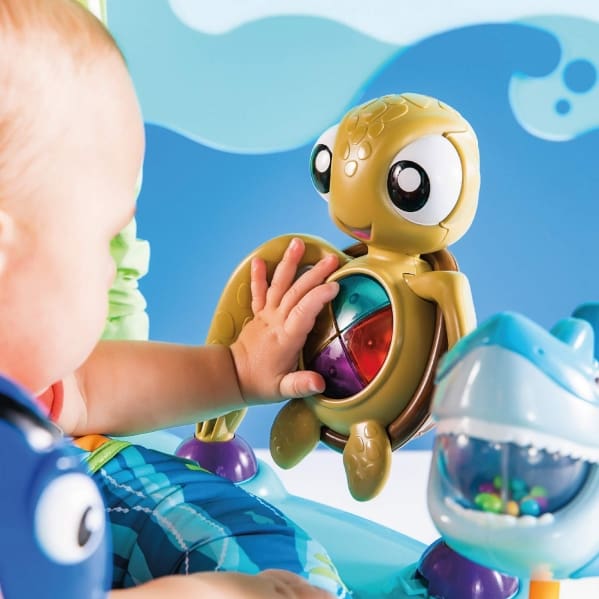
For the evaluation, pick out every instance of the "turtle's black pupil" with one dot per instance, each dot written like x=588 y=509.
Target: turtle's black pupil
x=85 y=531
x=414 y=196
x=320 y=167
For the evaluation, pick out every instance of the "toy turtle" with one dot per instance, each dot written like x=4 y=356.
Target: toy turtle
x=401 y=176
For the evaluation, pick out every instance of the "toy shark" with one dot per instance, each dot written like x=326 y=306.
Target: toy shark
x=514 y=482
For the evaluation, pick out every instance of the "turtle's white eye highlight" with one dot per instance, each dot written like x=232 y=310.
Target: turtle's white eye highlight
x=69 y=518
x=424 y=180
x=321 y=160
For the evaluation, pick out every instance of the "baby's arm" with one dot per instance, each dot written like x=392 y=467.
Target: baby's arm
x=127 y=387
x=275 y=584
x=133 y=386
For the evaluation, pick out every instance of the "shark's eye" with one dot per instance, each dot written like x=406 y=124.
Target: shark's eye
x=69 y=518
x=425 y=179
x=321 y=161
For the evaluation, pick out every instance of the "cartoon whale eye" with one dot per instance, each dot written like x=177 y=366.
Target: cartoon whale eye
x=425 y=180
x=321 y=160
x=69 y=518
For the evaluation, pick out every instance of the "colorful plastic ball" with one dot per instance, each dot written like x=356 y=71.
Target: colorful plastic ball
x=486 y=488
x=489 y=502
x=512 y=508
x=529 y=507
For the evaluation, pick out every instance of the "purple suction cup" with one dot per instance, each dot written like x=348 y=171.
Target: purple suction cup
x=448 y=575
x=233 y=459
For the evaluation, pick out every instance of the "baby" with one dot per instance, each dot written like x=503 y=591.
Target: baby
x=71 y=149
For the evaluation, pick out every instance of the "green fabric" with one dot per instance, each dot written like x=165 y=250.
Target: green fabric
x=97 y=7
x=101 y=456
x=127 y=316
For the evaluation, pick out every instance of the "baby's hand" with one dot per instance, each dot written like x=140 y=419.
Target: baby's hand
x=270 y=584
x=267 y=350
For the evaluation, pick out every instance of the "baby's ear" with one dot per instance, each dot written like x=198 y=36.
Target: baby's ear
x=7 y=238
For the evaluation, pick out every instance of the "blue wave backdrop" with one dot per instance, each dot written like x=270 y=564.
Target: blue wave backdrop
x=229 y=133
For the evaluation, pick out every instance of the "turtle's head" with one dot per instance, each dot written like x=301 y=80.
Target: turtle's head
x=400 y=173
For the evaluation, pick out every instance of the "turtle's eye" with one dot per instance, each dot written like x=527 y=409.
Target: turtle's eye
x=321 y=160
x=69 y=518
x=425 y=179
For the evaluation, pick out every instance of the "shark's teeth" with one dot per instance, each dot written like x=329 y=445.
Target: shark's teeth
x=491 y=520
x=523 y=437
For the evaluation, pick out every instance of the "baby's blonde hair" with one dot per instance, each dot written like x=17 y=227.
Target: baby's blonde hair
x=43 y=44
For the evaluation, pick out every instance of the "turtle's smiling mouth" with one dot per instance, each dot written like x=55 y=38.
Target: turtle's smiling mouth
x=508 y=483
x=363 y=233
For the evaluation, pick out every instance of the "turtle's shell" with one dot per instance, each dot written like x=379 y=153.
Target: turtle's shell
x=351 y=339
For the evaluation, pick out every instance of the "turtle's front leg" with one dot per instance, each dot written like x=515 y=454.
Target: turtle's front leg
x=294 y=434
x=367 y=459
x=451 y=291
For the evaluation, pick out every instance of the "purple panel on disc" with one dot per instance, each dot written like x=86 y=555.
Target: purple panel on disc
x=334 y=365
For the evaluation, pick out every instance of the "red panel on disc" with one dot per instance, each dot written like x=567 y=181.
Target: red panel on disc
x=368 y=342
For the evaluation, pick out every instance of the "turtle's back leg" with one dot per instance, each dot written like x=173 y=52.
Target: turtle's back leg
x=367 y=459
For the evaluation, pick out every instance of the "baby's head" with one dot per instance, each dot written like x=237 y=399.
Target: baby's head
x=71 y=145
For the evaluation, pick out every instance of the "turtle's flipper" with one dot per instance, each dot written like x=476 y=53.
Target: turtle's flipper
x=294 y=434
x=367 y=459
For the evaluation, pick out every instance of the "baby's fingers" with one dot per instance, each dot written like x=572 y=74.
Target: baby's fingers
x=302 y=317
x=314 y=276
x=301 y=383
x=258 y=284
x=285 y=272
x=291 y=586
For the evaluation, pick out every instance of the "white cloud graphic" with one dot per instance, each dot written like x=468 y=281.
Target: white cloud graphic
x=392 y=21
